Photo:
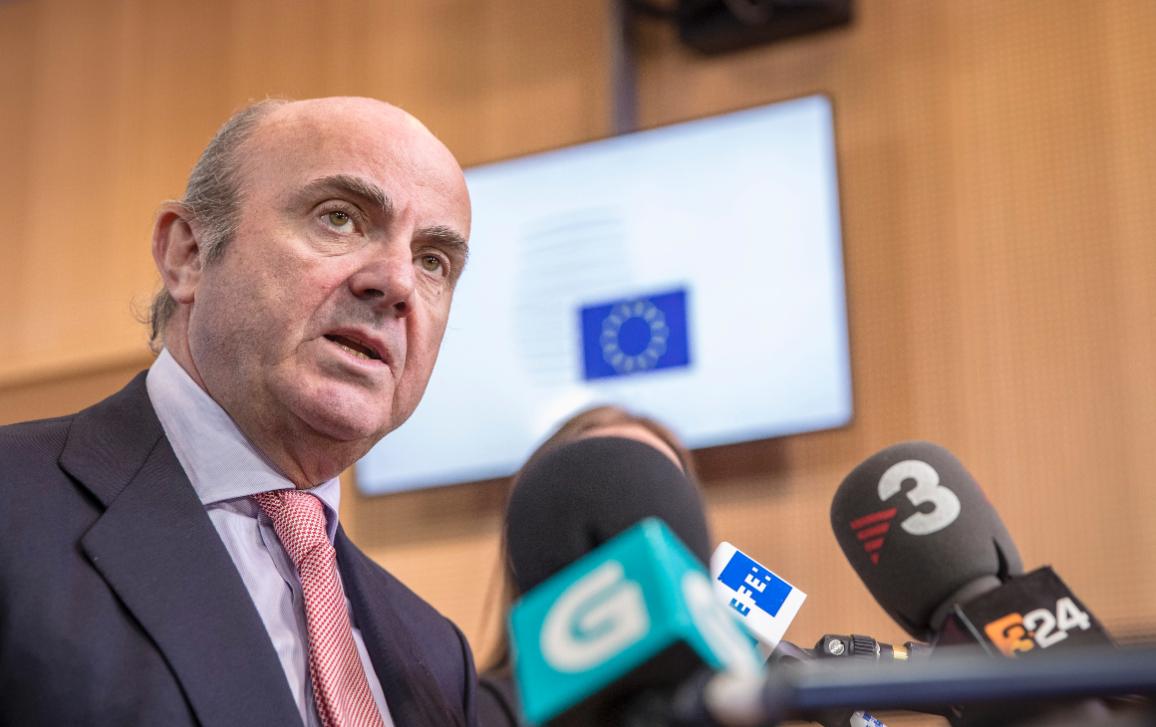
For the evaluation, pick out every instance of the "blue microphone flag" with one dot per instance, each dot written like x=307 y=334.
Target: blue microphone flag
x=764 y=602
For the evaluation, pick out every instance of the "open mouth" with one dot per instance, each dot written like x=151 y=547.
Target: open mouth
x=357 y=349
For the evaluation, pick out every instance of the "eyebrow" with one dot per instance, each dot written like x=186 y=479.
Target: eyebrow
x=448 y=237
x=368 y=192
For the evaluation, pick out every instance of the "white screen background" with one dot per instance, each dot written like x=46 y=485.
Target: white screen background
x=739 y=210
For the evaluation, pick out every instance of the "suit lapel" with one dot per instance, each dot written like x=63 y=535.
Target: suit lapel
x=159 y=552
x=411 y=691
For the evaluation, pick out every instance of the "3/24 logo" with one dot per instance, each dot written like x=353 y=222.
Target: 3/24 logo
x=872 y=528
x=1017 y=633
x=944 y=503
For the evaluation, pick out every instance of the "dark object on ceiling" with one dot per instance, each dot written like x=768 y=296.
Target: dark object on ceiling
x=719 y=26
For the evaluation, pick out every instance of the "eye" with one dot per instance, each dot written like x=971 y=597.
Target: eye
x=339 y=220
x=431 y=263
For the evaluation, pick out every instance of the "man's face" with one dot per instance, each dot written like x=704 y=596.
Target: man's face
x=323 y=318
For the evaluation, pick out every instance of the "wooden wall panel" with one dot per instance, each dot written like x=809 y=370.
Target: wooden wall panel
x=15 y=69
x=997 y=166
x=113 y=100
x=1034 y=197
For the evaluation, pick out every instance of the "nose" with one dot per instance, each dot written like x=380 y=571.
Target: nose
x=387 y=279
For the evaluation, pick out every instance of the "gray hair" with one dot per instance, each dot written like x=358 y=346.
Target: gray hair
x=212 y=200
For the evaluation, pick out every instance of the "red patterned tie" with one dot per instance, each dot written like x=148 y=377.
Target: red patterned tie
x=339 y=686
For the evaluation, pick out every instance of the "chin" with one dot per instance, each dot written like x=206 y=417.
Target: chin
x=338 y=416
x=347 y=430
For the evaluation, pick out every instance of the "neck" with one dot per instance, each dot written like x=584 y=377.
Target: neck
x=312 y=460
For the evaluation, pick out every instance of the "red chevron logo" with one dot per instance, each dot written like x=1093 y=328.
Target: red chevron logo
x=871 y=529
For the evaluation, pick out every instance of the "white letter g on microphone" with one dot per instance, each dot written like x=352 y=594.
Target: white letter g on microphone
x=594 y=619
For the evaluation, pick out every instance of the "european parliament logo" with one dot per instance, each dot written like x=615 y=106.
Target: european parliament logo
x=635 y=335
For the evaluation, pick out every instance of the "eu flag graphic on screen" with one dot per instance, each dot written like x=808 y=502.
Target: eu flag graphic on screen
x=635 y=335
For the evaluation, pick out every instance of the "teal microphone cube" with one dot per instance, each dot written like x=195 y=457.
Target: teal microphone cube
x=638 y=613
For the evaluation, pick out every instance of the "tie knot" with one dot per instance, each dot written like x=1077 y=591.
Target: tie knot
x=298 y=518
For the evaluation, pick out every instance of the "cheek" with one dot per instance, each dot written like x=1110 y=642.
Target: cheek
x=288 y=296
x=433 y=324
x=220 y=308
x=255 y=319
x=424 y=338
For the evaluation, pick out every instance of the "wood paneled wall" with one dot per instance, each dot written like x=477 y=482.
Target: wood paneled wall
x=997 y=167
x=997 y=173
x=106 y=105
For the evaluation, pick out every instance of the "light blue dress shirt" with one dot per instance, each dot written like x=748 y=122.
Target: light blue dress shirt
x=225 y=469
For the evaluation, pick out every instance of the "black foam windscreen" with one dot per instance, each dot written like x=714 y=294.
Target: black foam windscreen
x=572 y=499
x=921 y=534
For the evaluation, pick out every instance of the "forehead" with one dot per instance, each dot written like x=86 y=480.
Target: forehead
x=301 y=142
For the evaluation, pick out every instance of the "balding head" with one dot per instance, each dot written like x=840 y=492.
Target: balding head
x=213 y=190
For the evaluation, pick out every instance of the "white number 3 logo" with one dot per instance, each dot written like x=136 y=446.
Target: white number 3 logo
x=945 y=505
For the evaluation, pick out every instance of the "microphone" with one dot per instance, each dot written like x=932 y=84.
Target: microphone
x=798 y=689
x=578 y=496
x=921 y=535
x=618 y=611
x=928 y=545
x=931 y=549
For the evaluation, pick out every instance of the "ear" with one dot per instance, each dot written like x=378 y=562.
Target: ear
x=177 y=251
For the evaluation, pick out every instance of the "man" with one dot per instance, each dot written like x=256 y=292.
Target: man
x=172 y=555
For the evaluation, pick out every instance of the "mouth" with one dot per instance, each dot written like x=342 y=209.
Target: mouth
x=360 y=349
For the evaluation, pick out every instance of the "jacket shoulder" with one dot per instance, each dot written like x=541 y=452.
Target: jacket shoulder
x=30 y=444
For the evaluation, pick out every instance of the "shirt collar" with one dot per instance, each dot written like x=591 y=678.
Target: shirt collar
x=219 y=460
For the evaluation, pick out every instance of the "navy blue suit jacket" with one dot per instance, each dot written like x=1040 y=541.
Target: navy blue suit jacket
x=120 y=605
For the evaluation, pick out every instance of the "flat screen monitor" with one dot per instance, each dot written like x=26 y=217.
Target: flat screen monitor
x=692 y=273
